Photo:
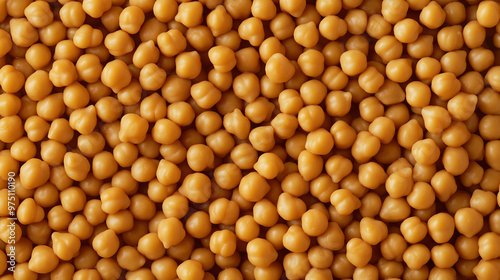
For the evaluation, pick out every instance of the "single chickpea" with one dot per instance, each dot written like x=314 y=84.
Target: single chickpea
x=371 y=80
x=131 y=19
x=279 y=69
x=116 y=75
x=223 y=242
x=432 y=15
x=246 y=87
x=394 y=11
x=152 y=77
x=11 y=80
x=198 y=224
x=29 y=33
x=444 y=255
x=480 y=59
x=311 y=63
x=87 y=37
x=296 y=265
x=43 y=259
x=413 y=230
x=425 y=152
x=491 y=155
x=358 y=252
x=441 y=227
x=290 y=207
x=388 y=210
x=338 y=167
x=399 y=70
x=483 y=201
x=252 y=30
x=468 y=221
x=353 y=62
x=196 y=187
x=306 y=35
x=170 y=232
x=314 y=222
x=450 y=38
x=84 y=120
x=188 y=65
x=407 y=30
x=427 y=68
x=454 y=62
x=399 y=183
x=436 y=118
x=227 y=175
x=472 y=82
x=416 y=256
x=487 y=13
x=96 y=8
x=455 y=160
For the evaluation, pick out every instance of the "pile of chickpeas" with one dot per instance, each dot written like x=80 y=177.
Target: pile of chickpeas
x=250 y=139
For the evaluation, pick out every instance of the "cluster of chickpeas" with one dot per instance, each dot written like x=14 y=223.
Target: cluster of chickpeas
x=250 y=139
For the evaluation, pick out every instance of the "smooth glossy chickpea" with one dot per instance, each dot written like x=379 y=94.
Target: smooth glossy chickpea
x=450 y=38
x=441 y=227
x=358 y=252
x=43 y=259
x=188 y=65
x=422 y=47
x=393 y=247
x=87 y=37
x=455 y=160
x=416 y=256
x=311 y=63
x=152 y=77
x=196 y=187
x=472 y=82
x=171 y=42
x=11 y=80
x=483 y=201
x=487 y=14
x=96 y=8
x=116 y=75
x=353 y=62
x=279 y=69
x=190 y=14
x=394 y=209
x=394 y=10
x=29 y=33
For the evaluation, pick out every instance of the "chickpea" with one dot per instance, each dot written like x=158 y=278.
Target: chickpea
x=196 y=187
x=358 y=252
x=487 y=15
x=279 y=69
x=394 y=10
